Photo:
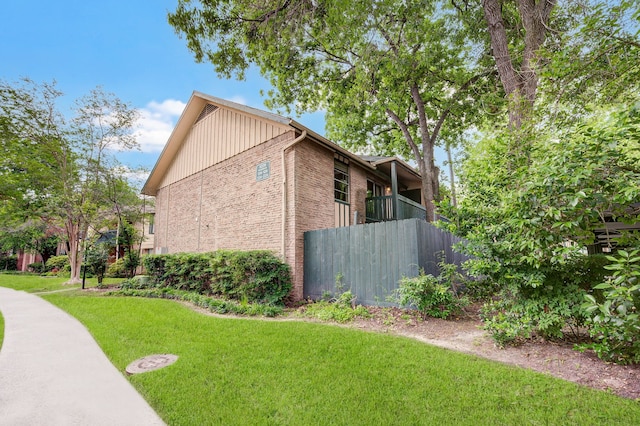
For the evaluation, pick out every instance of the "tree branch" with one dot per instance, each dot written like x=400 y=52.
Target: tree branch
x=405 y=131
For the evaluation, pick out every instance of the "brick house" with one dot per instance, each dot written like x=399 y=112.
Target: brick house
x=235 y=177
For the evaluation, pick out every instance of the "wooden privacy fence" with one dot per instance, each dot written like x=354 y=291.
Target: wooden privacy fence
x=370 y=259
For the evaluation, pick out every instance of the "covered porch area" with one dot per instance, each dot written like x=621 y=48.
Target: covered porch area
x=400 y=197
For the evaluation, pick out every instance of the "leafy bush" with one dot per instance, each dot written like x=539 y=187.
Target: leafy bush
x=37 y=267
x=257 y=276
x=59 y=264
x=189 y=272
x=615 y=322
x=519 y=212
x=117 y=269
x=254 y=276
x=341 y=309
x=505 y=325
x=131 y=261
x=9 y=263
x=549 y=305
x=136 y=283
x=95 y=260
x=213 y=304
x=433 y=296
x=155 y=264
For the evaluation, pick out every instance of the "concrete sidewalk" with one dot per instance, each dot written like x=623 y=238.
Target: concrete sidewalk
x=52 y=372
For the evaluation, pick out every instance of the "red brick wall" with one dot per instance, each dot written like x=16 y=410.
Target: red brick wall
x=358 y=192
x=224 y=207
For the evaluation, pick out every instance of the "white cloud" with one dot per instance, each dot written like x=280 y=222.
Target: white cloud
x=156 y=123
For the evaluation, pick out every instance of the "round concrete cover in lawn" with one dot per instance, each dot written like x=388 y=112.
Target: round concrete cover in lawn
x=150 y=363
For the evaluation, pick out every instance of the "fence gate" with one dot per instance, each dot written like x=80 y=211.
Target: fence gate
x=370 y=259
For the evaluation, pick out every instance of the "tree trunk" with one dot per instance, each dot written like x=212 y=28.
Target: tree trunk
x=425 y=164
x=427 y=190
x=73 y=234
x=520 y=85
x=454 y=201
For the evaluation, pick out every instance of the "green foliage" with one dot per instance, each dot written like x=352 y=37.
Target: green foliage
x=341 y=309
x=58 y=265
x=389 y=76
x=255 y=276
x=528 y=219
x=135 y=288
x=57 y=262
x=128 y=238
x=95 y=260
x=130 y=262
x=36 y=267
x=72 y=178
x=8 y=263
x=431 y=296
x=615 y=322
x=117 y=269
x=184 y=271
x=553 y=309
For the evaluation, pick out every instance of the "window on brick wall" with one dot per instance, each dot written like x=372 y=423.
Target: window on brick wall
x=341 y=181
x=341 y=192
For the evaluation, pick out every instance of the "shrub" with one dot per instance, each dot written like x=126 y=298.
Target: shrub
x=95 y=260
x=59 y=265
x=57 y=262
x=257 y=276
x=155 y=264
x=432 y=296
x=254 y=276
x=139 y=282
x=341 y=309
x=117 y=269
x=615 y=322
x=219 y=306
x=131 y=261
x=548 y=303
x=9 y=263
x=37 y=267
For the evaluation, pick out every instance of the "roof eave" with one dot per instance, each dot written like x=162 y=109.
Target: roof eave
x=401 y=162
x=331 y=145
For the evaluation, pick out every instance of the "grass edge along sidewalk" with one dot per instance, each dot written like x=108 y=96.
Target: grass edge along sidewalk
x=235 y=371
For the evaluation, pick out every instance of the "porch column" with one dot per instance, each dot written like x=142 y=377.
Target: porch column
x=394 y=192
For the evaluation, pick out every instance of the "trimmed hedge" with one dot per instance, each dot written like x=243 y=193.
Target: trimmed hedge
x=219 y=306
x=253 y=276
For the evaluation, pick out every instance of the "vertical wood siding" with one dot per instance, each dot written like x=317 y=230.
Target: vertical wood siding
x=217 y=137
x=371 y=259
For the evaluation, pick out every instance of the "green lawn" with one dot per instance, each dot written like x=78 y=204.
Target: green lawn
x=248 y=371
x=36 y=283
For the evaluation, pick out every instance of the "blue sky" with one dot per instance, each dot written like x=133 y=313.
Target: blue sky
x=129 y=49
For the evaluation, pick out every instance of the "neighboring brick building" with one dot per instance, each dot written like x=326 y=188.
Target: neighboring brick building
x=234 y=177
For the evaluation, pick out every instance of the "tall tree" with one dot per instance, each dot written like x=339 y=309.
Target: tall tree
x=78 y=156
x=528 y=225
x=392 y=75
x=31 y=146
x=576 y=49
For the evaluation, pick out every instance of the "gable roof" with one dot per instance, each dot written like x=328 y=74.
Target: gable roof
x=191 y=114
